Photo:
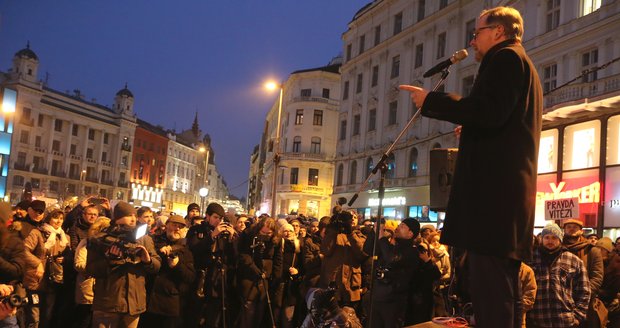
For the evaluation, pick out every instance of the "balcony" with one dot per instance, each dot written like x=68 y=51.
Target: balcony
x=123 y=184
x=126 y=148
x=578 y=91
x=302 y=189
x=106 y=163
x=76 y=157
x=311 y=156
x=21 y=167
x=57 y=153
x=26 y=121
x=39 y=150
x=59 y=174
x=40 y=170
x=90 y=160
x=92 y=179
x=315 y=99
x=107 y=182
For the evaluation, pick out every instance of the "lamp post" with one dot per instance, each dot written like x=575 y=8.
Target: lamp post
x=276 y=146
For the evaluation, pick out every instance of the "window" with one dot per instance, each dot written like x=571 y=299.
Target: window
x=470 y=28
x=24 y=137
x=306 y=92
x=348 y=52
x=369 y=166
x=89 y=153
x=40 y=120
x=375 y=76
x=74 y=130
x=56 y=145
x=395 y=66
x=54 y=186
x=37 y=141
x=296 y=144
x=356 y=124
x=91 y=134
x=294 y=178
x=550 y=73
x=372 y=119
x=26 y=113
x=413 y=162
x=299 y=117
x=362 y=44
x=443 y=4
x=318 y=117
x=377 y=34
x=589 y=6
x=72 y=149
x=106 y=137
x=21 y=159
x=391 y=165
x=588 y=61
x=468 y=83
x=71 y=188
x=419 y=55
x=421 y=9
x=553 y=14
x=398 y=23
x=18 y=180
x=313 y=177
x=393 y=109
x=353 y=173
x=345 y=92
x=360 y=80
x=441 y=45
x=104 y=156
x=339 y=174
x=36 y=183
x=325 y=93
x=343 y=129
x=315 y=145
x=58 y=125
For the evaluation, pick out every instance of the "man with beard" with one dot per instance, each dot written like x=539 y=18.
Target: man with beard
x=578 y=244
x=563 y=289
x=120 y=288
x=193 y=215
x=177 y=270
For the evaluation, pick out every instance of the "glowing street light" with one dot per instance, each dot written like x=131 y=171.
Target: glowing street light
x=272 y=86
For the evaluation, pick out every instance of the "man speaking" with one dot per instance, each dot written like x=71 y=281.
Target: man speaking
x=501 y=122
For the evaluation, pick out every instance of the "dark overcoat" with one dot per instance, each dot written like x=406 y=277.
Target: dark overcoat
x=493 y=196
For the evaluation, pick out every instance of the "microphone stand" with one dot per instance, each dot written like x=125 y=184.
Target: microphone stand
x=382 y=165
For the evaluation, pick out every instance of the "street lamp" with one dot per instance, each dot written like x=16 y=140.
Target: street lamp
x=276 y=145
x=203 y=192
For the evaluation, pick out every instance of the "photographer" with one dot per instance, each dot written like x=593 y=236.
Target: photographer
x=120 y=270
x=257 y=262
x=396 y=264
x=211 y=246
x=342 y=250
x=12 y=265
x=177 y=270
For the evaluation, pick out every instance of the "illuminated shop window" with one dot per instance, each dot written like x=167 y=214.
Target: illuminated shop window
x=613 y=140
x=582 y=145
x=547 y=152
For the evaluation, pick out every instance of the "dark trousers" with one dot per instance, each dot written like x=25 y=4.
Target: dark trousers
x=494 y=289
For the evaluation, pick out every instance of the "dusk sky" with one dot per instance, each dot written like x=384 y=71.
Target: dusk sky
x=179 y=57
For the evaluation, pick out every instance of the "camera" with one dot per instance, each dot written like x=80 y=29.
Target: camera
x=342 y=222
x=383 y=274
x=17 y=298
x=225 y=234
x=125 y=239
x=96 y=201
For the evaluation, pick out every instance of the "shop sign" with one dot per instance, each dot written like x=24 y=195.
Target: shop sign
x=388 y=201
x=561 y=209
x=586 y=194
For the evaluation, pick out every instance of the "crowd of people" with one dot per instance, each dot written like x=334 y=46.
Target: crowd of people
x=93 y=266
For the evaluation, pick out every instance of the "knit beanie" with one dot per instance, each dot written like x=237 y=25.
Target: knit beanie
x=193 y=206
x=123 y=209
x=413 y=225
x=23 y=205
x=553 y=229
x=605 y=243
x=215 y=208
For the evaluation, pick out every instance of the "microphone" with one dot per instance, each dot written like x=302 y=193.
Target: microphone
x=457 y=57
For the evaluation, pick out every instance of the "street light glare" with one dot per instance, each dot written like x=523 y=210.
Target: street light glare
x=271 y=86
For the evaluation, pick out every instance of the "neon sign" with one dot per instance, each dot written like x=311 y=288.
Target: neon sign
x=390 y=201
x=586 y=194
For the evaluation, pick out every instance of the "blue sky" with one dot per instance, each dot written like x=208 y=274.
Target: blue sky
x=179 y=57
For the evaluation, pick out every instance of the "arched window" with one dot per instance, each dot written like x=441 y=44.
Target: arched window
x=339 y=175
x=391 y=165
x=369 y=166
x=436 y=145
x=353 y=173
x=413 y=162
x=296 y=144
x=315 y=146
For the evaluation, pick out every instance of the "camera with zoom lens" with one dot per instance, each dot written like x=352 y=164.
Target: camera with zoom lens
x=17 y=298
x=125 y=239
x=383 y=274
x=342 y=221
x=225 y=234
